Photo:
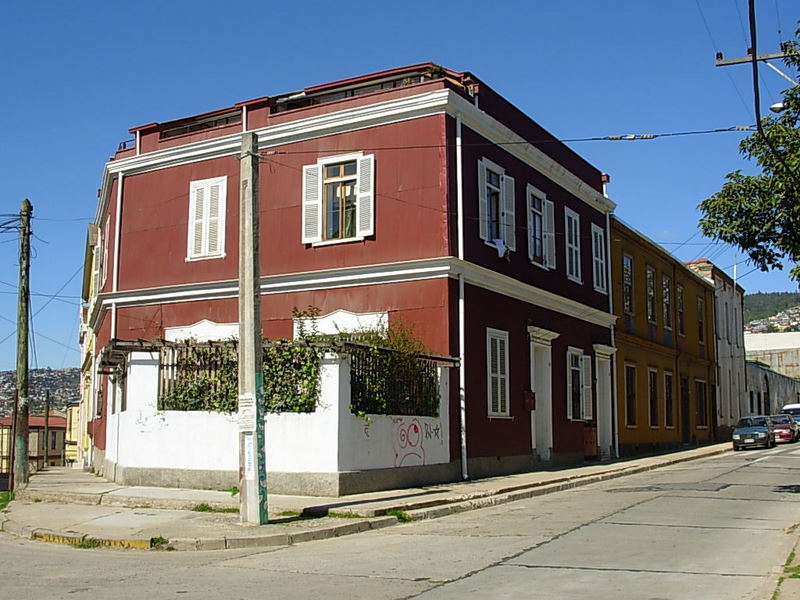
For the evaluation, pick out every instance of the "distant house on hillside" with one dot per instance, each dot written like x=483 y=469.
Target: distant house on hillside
x=38 y=445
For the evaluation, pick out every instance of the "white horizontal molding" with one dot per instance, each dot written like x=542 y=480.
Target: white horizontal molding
x=386 y=273
x=513 y=288
x=353 y=119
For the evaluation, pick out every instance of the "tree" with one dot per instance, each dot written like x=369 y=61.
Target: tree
x=761 y=213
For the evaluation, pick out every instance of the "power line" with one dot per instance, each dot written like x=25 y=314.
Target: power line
x=627 y=137
x=716 y=51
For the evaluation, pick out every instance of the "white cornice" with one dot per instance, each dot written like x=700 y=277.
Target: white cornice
x=352 y=119
x=397 y=272
x=513 y=288
x=496 y=132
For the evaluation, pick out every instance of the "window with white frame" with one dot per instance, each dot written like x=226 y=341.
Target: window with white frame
x=669 y=400
x=599 y=274
x=207 y=207
x=497 y=372
x=339 y=199
x=541 y=229
x=666 y=297
x=104 y=265
x=650 y=289
x=701 y=399
x=680 y=309
x=496 y=218
x=572 y=227
x=701 y=320
x=579 y=385
x=627 y=283
x=652 y=390
x=630 y=395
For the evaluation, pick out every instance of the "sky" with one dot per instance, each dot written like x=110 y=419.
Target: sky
x=78 y=75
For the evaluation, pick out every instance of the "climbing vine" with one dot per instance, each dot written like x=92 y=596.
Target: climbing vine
x=389 y=372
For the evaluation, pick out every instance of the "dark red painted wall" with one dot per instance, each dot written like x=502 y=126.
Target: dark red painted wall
x=498 y=437
x=410 y=210
x=520 y=267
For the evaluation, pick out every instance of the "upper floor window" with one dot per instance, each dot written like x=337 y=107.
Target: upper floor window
x=497 y=372
x=496 y=206
x=579 y=385
x=627 y=283
x=572 y=226
x=599 y=274
x=207 y=207
x=104 y=265
x=680 y=309
x=650 y=284
x=338 y=199
x=701 y=320
x=541 y=229
x=666 y=295
x=727 y=323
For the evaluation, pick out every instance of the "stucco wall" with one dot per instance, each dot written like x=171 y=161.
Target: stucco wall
x=328 y=441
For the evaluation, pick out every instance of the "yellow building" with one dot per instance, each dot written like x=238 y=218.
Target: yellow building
x=665 y=361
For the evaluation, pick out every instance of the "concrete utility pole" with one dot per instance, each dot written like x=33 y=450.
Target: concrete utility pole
x=46 y=426
x=252 y=468
x=23 y=304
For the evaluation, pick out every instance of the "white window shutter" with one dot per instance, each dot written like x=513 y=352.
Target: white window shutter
x=529 y=213
x=502 y=376
x=483 y=209
x=549 y=233
x=96 y=269
x=196 y=245
x=312 y=204
x=568 y=395
x=365 y=207
x=509 y=218
x=213 y=219
x=587 y=387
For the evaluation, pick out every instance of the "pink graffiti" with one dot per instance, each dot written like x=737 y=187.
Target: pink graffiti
x=407 y=443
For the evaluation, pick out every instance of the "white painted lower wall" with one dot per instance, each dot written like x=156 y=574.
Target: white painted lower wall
x=329 y=440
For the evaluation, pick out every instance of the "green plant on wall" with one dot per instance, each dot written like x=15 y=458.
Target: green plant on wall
x=205 y=377
x=292 y=367
x=389 y=375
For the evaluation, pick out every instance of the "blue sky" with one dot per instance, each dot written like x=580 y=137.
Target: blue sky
x=77 y=75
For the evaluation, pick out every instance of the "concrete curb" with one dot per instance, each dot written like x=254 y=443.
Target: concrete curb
x=373 y=518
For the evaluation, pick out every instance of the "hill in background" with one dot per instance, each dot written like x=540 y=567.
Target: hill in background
x=762 y=305
x=62 y=383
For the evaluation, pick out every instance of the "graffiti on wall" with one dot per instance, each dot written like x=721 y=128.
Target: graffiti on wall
x=407 y=441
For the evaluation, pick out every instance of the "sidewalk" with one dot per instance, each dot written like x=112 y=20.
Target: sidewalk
x=74 y=507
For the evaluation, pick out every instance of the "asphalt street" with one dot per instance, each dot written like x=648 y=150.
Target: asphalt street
x=715 y=528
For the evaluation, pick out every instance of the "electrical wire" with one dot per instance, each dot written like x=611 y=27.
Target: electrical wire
x=716 y=51
x=757 y=96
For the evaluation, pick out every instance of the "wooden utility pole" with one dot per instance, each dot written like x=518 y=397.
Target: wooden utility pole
x=23 y=305
x=46 y=427
x=252 y=468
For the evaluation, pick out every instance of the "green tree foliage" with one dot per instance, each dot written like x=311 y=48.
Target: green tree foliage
x=761 y=213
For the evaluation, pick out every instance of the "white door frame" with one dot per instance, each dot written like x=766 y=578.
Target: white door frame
x=605 y=399
x=541 y=368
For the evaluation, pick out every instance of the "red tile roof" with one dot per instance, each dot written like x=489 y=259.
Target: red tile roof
x=37 y=422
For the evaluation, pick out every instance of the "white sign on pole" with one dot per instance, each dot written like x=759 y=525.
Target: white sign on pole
x=247 y=413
